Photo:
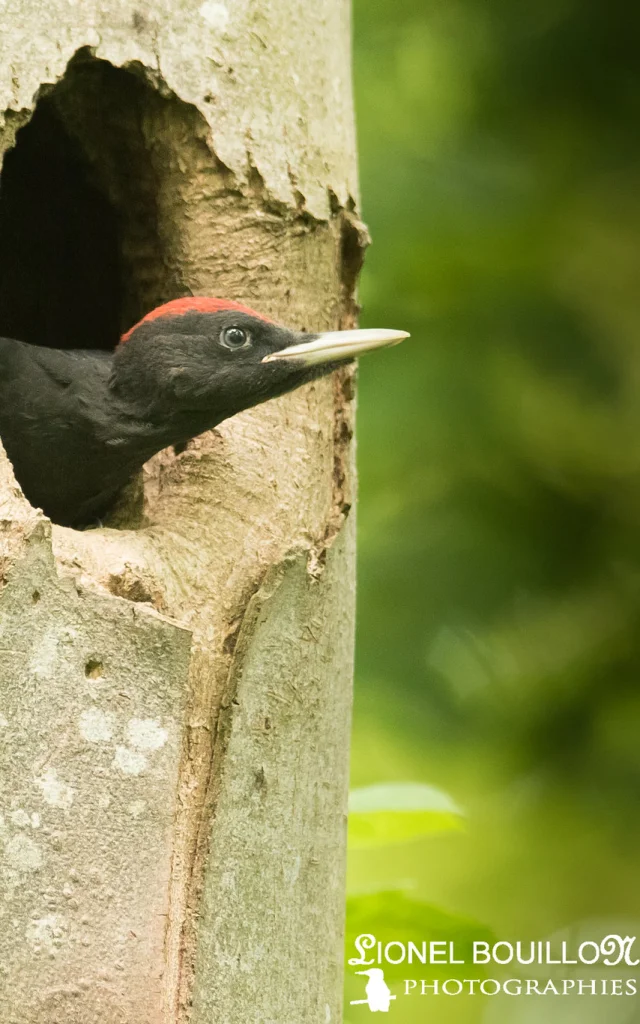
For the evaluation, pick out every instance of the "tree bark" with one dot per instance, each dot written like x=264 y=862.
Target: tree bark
x=175 y=692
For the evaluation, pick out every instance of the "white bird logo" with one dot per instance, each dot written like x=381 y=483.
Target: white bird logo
x=378 y=992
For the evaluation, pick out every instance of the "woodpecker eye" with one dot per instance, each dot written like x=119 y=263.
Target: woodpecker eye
x=235 y=337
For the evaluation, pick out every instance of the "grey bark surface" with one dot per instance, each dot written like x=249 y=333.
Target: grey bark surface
x=175 y=692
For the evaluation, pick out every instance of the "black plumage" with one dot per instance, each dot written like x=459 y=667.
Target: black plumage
x=76 y=424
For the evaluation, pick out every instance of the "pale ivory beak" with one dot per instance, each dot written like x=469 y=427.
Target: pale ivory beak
x=335 y=345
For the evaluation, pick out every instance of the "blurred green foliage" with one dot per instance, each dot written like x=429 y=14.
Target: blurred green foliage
x=396 y=916
x=398 y=812
x=499 y=454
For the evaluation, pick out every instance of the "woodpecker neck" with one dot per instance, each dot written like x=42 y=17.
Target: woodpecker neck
x=146 y=418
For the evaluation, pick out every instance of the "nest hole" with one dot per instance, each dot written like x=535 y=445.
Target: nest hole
x=92 y=197
x=81 y=252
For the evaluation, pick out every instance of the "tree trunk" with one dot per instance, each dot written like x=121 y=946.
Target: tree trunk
x=175 y=687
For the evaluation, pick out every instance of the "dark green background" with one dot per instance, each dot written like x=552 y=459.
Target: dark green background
x=499 y=458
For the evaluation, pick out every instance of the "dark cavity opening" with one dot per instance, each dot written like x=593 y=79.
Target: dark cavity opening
x=93 y=668
x=81 y=257
x=91 y=213
x=60 y=267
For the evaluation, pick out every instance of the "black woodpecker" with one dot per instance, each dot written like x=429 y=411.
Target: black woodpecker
x=78 y=423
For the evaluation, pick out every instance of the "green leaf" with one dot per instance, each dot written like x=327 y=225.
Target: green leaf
x=399 y=812
x=395 y=916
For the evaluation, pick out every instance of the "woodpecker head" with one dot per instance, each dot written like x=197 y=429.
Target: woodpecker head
x=209 y=358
